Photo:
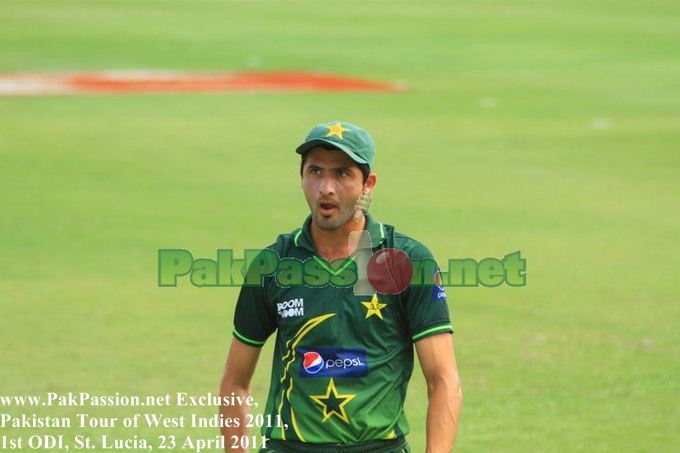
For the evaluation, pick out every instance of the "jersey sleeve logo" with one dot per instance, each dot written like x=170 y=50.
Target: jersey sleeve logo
x=438 y=292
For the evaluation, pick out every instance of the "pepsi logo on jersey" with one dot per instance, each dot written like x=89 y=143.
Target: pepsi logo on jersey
x=333 y=362
x=438 y=292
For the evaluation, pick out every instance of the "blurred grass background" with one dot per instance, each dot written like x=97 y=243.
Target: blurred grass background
x=544 y=126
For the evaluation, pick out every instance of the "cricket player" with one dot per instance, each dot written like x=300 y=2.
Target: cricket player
x=342 y=361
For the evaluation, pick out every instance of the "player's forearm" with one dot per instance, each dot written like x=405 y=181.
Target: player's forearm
x=444 y=401
x=233 y=412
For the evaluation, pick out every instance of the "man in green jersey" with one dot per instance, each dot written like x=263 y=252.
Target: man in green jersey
x=342 y=361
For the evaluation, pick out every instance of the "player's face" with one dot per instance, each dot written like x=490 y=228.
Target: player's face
x=332 y=182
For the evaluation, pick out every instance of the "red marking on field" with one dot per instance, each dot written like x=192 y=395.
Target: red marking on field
x=174 y=82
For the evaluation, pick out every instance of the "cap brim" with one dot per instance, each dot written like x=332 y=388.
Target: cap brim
x=306 y=146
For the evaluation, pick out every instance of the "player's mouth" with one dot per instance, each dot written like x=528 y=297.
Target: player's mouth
x=327 y=208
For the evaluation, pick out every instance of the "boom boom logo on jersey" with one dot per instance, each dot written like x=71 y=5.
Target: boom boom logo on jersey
x=333 y=362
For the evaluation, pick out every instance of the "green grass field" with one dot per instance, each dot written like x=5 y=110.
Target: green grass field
x=542 y=126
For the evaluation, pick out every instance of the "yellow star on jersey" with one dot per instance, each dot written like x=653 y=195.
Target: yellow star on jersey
x=337 y=130
x=333 y=403
x=374 y=306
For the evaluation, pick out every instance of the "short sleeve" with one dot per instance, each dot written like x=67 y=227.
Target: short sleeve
x=425 y=299
x=254 y=319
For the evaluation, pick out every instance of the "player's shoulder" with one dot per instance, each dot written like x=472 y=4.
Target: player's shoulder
x=410 y=245
x=285 y=242
x=280 y=248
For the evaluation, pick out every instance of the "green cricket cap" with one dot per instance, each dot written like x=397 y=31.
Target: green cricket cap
x=347 y=137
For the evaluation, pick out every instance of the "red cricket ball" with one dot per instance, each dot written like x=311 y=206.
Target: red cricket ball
x=389 y=271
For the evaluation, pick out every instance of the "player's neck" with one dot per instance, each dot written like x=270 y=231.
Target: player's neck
x=333 y=244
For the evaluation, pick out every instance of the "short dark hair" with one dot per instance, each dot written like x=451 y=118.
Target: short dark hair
x=365 y=169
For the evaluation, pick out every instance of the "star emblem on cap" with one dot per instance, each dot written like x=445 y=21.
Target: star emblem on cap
x=336 y=130
x=374 y=306
x=333 y=403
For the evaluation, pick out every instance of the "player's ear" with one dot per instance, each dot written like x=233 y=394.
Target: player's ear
x=370 y=182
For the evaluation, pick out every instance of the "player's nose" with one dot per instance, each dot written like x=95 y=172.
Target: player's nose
x=326 y=186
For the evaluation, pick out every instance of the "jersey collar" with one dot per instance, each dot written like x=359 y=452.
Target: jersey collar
x=303 y=236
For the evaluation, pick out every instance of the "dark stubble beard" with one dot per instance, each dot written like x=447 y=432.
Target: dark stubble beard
x=333 y=223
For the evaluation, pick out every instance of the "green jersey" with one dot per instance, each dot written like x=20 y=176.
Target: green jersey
x=341 y=361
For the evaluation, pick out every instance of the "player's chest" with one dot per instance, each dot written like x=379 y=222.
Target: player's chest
x=332 y=316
